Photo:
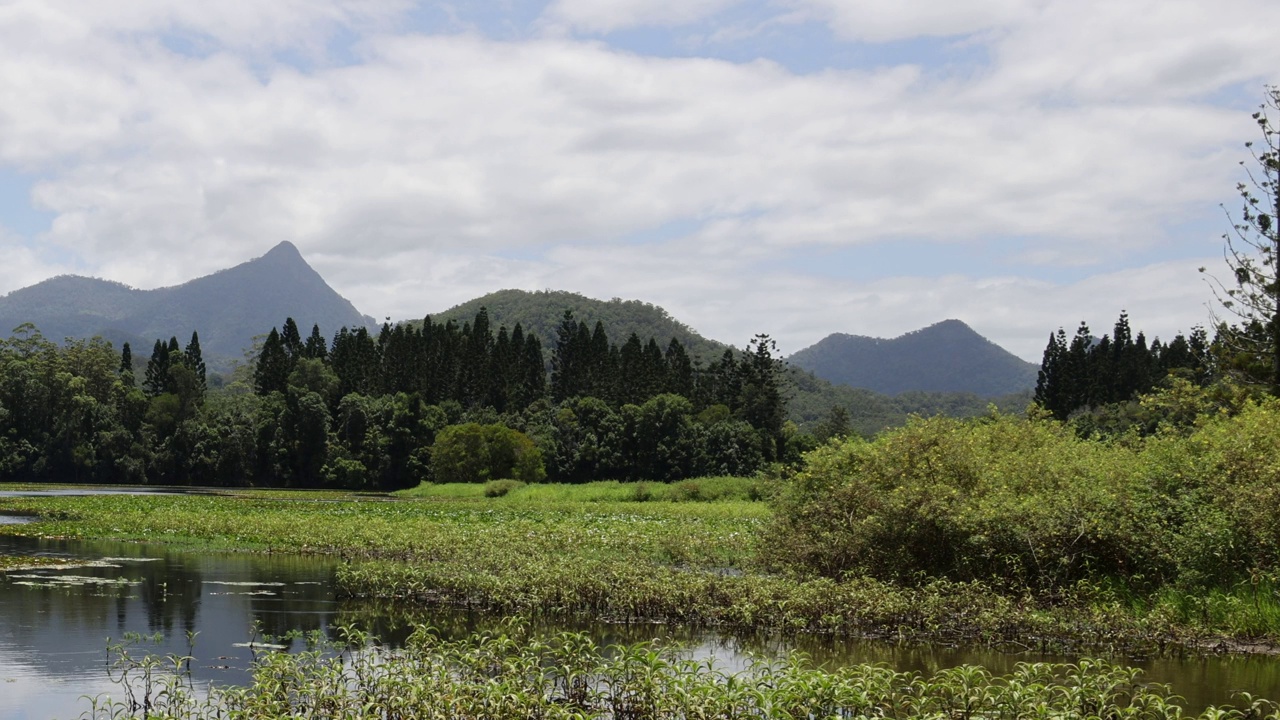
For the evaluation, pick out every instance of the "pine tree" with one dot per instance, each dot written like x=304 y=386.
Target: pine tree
x=156 y=379
x=760 y=399
x=291 y=339
x=194 y=359
x=1051 y=393
x=1251 y=342
x=316 y=346
x=126 y=366
x=567 y=359
x=679 y=371
x=272 y=371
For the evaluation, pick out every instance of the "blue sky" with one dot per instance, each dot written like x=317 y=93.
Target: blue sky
x=795 y=167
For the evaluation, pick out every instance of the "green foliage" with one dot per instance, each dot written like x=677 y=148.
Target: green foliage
x=477 y=453
x=1027 y=503
x=810 y=400
x=513 y=672
x=500 y=488
x=1091 y=374
x=541 y=313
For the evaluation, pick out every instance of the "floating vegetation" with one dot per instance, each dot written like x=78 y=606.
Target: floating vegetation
x=516 y=674
x=9 y=563
x=69 y=580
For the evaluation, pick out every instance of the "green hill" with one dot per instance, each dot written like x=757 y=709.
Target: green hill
x=541 y=312
x=811 y=397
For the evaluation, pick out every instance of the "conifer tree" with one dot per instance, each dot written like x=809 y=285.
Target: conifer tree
x=291 y=339
x=679 y=370
x=271 y=374
x=126 y=365
x=568 y=359
x=1251 y=339
x=194 y=359
x=156 y=379
x=316 y=347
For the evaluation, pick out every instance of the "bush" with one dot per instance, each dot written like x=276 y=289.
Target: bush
x=478 y=453
x=500 y=488
x=1029 y=504
x=1018 y=502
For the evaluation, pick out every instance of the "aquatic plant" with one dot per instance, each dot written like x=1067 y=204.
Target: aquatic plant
x=514 y=673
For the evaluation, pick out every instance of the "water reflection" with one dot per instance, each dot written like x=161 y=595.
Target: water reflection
x=54 y=625
x=56 y=621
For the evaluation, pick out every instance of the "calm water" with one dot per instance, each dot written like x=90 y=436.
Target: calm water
x=54 y=626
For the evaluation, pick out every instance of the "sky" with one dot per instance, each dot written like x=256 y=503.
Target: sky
x=790 y=167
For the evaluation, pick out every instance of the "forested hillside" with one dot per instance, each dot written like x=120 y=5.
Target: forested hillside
x=811 y=400
x=540 y=313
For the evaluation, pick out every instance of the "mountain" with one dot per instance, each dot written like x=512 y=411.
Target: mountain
x=810 y=396
x=946 y=357
x=227 y=308
x=542 y=311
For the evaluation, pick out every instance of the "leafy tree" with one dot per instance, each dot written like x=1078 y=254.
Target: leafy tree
x=477 y=453
x=834 y=426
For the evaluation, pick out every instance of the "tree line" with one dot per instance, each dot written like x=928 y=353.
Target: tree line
x=389 y=409
x=1089 y=372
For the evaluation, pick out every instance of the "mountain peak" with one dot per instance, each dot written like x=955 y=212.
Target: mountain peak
x=227 y=308
x=284 y=250
x=948 y=356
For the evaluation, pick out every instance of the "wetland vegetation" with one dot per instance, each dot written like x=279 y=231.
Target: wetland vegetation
x=513 y=673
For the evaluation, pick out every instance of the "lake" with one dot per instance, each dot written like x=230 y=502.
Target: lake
x=55 y=625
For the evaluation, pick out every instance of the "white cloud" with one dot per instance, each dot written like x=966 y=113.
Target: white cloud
x=888 y=20
x=412 y=177
x=1094 y=51
x=608 y=15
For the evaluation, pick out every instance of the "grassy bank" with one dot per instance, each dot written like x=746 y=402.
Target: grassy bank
x=479 y=531
x=556 y=550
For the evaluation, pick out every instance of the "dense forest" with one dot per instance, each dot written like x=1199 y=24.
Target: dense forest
x=448 y=401
x=431 y=401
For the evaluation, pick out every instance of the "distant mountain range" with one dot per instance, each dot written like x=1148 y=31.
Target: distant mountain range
x=946 y=357
x=227 y=308
x=945 y=368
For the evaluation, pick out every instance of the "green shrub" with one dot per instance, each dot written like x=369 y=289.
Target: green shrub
x=1023 y=503
x=500 y=488
x=478 y=453
x=642 y=492
x=686 y=491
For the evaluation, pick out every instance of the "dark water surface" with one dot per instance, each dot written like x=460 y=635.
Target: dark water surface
x=54 y=625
